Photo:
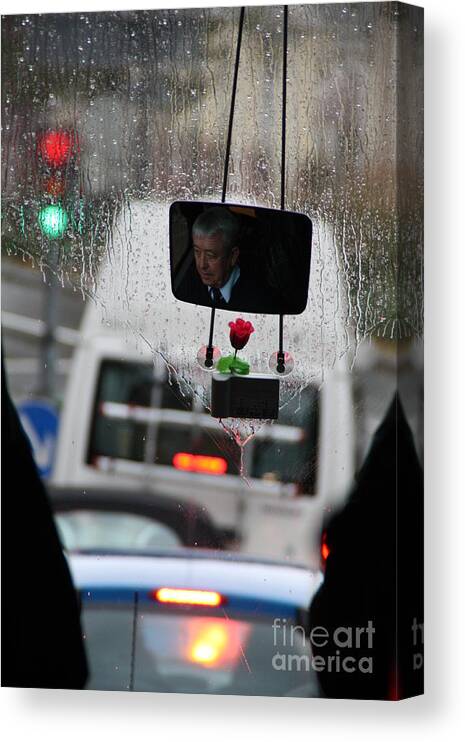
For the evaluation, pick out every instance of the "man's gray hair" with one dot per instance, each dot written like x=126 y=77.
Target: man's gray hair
x=219 y=219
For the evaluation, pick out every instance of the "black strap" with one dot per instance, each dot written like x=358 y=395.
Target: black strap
x=283 y=112
x=209 y=352
x=233 y=104
x=280 y=358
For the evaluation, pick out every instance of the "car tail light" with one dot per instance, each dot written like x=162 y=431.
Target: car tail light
x=200 y=464
x=325 y=550
x=182 y=596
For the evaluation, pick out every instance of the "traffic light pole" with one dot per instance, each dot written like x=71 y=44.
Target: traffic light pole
x=47 y=355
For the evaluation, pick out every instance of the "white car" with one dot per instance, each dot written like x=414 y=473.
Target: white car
x=193 y=621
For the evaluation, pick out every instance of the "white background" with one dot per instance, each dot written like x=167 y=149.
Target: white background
x=72 y=715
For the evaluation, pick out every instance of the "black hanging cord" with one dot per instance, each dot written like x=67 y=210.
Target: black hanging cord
x=283 y=113
x=281 y=366
x=209 y=352
x=280 y=363
x=233 y=104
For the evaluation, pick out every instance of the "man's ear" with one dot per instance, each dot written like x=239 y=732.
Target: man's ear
x=235 y=252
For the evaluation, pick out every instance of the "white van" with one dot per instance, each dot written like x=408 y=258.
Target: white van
x=124 y=425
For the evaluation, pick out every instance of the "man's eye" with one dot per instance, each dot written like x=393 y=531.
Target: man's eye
x=208 y=255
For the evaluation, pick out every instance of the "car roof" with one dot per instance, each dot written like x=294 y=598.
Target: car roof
x=227 y=574
x=65 y=496
x=190 y=520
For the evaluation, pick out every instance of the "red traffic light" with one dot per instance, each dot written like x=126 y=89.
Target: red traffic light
x=56 y=147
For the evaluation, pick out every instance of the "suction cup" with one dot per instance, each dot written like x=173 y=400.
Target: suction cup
x=206 y=362
x=281 y=364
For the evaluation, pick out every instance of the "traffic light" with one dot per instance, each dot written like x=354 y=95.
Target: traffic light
x=57 y=147
x=57 y=155
x=53 y=220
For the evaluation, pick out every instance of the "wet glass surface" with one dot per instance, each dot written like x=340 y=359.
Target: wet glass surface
x=140 y=101
x=109 y=118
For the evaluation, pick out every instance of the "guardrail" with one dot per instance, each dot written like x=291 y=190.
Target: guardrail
x=37 y=328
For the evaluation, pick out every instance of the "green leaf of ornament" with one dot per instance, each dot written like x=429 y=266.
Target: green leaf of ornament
x=224 y=364
x=240 y=367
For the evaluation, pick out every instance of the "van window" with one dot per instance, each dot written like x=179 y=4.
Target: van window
x=141 y=418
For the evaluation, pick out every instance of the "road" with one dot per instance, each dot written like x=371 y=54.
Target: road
x=24 y=311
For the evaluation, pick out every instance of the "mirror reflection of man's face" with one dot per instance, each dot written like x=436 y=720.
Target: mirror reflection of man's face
x=213 y=261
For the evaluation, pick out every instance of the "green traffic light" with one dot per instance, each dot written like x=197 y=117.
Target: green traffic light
x=53 y=221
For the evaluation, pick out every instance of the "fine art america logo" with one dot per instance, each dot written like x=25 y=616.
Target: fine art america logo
x=343 y=638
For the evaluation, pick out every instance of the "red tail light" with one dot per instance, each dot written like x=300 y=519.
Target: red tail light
x=201 y=464
x=325 y=550
x=184 y=596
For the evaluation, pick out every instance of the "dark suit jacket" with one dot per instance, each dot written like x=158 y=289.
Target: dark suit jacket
x=249 y=294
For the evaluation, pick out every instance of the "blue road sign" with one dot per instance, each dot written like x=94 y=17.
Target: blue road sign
x=40 y=422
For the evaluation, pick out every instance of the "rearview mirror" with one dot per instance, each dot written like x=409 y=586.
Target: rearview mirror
x=240 y=258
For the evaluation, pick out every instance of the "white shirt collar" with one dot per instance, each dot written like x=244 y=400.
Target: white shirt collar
x=229 y=285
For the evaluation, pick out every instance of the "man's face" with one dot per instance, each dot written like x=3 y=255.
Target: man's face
x=213 y=262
